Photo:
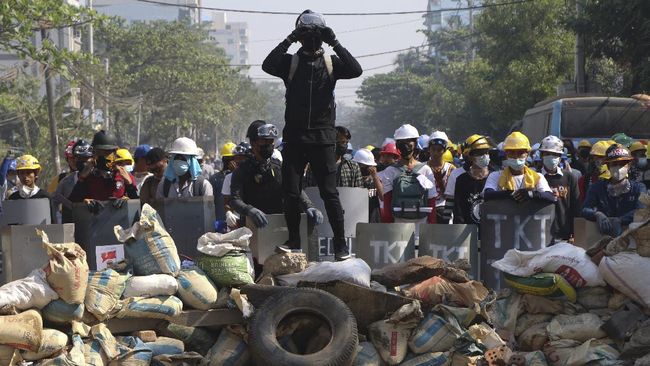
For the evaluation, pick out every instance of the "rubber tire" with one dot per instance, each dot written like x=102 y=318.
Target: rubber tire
x=264 y=346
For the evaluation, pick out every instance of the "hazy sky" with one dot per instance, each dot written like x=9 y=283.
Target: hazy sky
x=277 y=27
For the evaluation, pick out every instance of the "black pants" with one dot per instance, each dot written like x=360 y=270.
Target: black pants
x=323 y=165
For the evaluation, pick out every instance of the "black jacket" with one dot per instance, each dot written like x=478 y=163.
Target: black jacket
x=310 y=107
x=259 y=185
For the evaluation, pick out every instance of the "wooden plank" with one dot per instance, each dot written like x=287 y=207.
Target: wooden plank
x=199 y=318
x=128 y=325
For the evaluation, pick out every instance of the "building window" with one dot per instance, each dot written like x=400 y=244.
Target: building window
x=228 y=26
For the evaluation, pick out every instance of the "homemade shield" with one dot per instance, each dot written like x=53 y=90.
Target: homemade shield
x=450 y=242
x=26 y=212
x=383 y=244
x=276 y=233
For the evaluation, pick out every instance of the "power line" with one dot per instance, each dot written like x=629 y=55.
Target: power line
x=336 y=14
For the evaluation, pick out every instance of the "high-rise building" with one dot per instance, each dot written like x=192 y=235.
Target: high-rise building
x=231 y=36
x=138 y=11
x=443 y=14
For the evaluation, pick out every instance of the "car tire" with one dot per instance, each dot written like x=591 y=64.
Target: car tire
x=341 y=349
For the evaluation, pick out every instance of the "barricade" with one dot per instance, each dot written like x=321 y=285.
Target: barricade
x=186 y=220
x=450 y=242
x=265 y=240
x=585 y=232
x=506 y=224
x=355 y=208
x=22 y=248
x=95 y=232
x=36 y=211
x=383 y=244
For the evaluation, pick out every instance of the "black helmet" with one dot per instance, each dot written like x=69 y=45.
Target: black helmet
x=104 y=141
x=243 y=149
x=82 y=149
x=261 y=129
x=310 y=19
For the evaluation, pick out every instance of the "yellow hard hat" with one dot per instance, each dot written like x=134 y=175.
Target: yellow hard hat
x=584 y=143
x=122 y=155
x=448 y=157
x=637 y=146
x=228 y=149
x=516 y=141
x=604 y=172
x=600 y=148
x=369 y=147
x=27 y=162
x=476 y=142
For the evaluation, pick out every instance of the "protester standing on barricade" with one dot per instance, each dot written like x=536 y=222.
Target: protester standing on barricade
x=407 y=188
x=70 y=160
x=348 y=173
x=28 y=170
x=438 y=142
x=82 y=153
x=370 y=180
x=516 y=180
x=309 y=136
x=467 y=188
x=156 y=160
x=596 y=169
x=256 y=185
x=98 y=182
x=611 y=203
x=141 y=169
x=183 y=178
x=564 y=186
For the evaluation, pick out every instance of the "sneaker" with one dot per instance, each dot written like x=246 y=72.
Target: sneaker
x=287 y=248
x=339 y=257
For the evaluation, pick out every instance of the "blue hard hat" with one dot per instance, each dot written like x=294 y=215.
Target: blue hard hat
x=12 y=164
x=141 y=151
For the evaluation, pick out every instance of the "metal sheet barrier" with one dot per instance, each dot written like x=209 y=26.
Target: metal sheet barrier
x=36 y=211
x=265 y=240
x=23 y=250
x=450 y=242
x=186 y=220
x=383 y=244
x=506 y=225
x=355 y=207
x=585 y=232
x=96 y=230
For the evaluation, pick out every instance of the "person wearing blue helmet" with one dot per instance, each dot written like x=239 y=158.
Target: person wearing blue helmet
x=141 y=169
x=8 y=176
x=423 y=148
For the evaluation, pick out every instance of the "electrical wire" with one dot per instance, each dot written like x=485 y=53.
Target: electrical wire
x=337 y=14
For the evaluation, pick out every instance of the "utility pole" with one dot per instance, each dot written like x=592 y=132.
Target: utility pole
x=49 y=90
x=91 y=49
x=106 y=118
x=137 y=139
x=580 y=55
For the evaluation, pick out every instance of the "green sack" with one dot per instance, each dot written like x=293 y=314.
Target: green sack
x=231 y=270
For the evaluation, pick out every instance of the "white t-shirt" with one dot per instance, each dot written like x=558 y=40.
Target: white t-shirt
x=225 y=188
x=389 y=174
x=451 y=182
x=493 y=182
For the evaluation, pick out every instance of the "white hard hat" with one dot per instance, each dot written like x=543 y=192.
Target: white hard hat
x=200 y=153
x=535 y=147
x=406 y=132
x=365 y=157
x=184 y=146
x=438 y=135
x=387 y=141
x=552 y=144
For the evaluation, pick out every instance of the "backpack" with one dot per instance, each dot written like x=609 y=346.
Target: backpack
x=197 y=188
x=408 y=195
x=294 y=66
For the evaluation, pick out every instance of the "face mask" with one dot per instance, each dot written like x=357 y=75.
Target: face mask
x=515 y=164
x=405 y=148
x=584 y=153
x=266 y=151
x=129 y=168
x=482 y=161
x=81 y=165
x=181 y=167
x=618 y=173
x=551 y=163
x=642 y=162
x=364 y=171
x=26 y=192
x=341 y=149
x=102 y=163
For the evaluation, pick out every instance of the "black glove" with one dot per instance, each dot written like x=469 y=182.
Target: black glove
x=521 y=195
x=258 y=217
x=94 y=206
x=119 y=202
x=604 y=224
x=328 y=36
x=295 y=35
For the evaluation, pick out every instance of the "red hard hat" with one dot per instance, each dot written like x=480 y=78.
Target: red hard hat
x=68 y=148
x=390 y=148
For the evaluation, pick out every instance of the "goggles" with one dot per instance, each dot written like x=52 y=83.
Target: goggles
x=311 y=20
x=267 y=131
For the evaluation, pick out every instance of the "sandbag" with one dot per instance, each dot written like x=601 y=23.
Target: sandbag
x=218 y=245
x=9 y=356
x=434 y=334
x=533 y=304
x=542 y=284
x=74 y=357
x=196 y=339
x=533 y=338
x=166 y=346
x=148 y=246
x=30 y=292
x=354 y=270
x=229 y=270
x=105 y=289
x=459 y=359
x=390 y=340
x=526 y=321
x=150 y=286
x=160 y=307
x=94 y=354
x=639 y=343
x=67 y=270
x=133 y=352
x=628 y=273
x=60 y=312
x=229 y=349
x=53 y=341
x=428 y=359
x=594 y=297
x=485 y=335
x=196 y=289
x=435 y=289
x=567 y=260
x=367 y=355
x=106 y=340
x=23 y=331
x=579 y=327
x=593 y=352
x=185 y=359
